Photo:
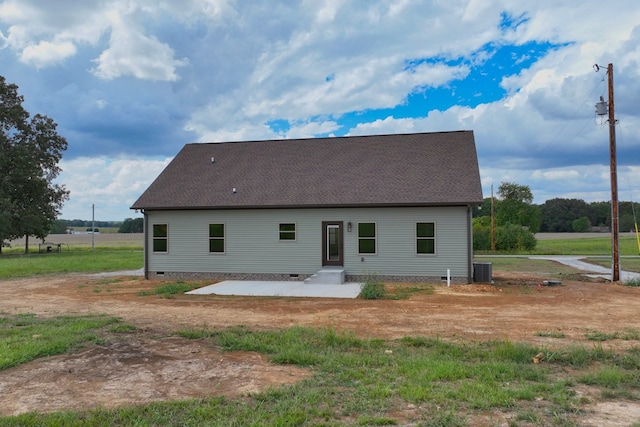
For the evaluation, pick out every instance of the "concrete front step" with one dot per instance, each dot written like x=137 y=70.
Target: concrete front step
x=326 y=276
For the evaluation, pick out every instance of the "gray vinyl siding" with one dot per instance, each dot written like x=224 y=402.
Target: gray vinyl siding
x=252 y=242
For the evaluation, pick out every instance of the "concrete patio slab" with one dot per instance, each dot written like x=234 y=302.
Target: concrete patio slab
x=279 y=289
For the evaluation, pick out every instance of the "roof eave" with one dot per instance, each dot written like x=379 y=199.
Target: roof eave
x=309 y=206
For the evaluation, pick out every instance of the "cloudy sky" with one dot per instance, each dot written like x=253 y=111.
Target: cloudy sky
x=129 y=82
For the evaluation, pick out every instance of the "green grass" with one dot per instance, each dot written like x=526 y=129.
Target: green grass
x=614 y=378
x=24 y=337
x=70 y=262
x=635 y=283
x=628 y=264
x=597 y=246
x=372 y=289
x=405 y=291
x=626 y=334
x=628 y=245
x=168 y=290
x=526 y=265
x=358 y=381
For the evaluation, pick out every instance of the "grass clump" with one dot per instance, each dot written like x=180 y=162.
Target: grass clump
x=372 y=289
x=626 y=334
x=123 y=329
x=168 y=290
x=25 y=337
x=403 y=291
x=633 y=282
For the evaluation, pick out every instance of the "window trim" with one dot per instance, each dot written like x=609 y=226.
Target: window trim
x=295 y=232
x=165 y=238
x=374 y=238
x=434 y=239
x=223 y=238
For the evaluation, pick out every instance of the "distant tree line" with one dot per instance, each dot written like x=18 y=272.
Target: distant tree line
x=129 y=225
x=573 y=215
x=517 y=219
x=132 y=225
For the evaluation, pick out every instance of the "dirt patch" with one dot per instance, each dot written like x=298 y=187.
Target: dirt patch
x=138 y=370
x=151 y=365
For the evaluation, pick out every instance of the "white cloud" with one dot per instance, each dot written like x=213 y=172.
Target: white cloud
x=556 y=174
x=112 y=184
x=137 y=55
x=47 y=53
x=388 y=126
x=133 y=53
x=310 y=129
x=130 y=52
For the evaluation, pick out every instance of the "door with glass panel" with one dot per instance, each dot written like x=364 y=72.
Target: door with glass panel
x=332 y=243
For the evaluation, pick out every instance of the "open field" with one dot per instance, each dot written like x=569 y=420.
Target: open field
x=70 y=241
x=559 y=236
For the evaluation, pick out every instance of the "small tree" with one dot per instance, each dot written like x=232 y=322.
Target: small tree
x=481 y=233
x=512 y=237
x=581 y=225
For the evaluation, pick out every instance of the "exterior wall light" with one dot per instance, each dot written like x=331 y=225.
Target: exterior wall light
x=349 y=225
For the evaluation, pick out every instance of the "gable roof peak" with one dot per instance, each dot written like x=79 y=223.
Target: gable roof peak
x=413 y=169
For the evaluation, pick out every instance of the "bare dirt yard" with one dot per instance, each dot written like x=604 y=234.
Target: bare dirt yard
x=153 y=364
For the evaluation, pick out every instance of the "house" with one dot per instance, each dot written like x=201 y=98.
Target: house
x=394 y=206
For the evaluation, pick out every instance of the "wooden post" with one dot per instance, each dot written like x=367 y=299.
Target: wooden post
x=493 y=225
x=615 y=254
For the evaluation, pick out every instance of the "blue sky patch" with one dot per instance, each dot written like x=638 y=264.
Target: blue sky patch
x=510 y=22
x=488 y=66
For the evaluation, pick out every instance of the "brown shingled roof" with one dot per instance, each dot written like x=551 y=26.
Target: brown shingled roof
x=422 y=169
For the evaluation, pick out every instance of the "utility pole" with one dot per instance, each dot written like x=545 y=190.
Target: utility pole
x=93 y=226
x=493 y=225
x=615 y=231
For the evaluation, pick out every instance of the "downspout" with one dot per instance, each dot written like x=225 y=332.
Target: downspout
x=469 y=245
x=145 y=246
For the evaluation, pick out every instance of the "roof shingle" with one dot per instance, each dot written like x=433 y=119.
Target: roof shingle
x=421 y=169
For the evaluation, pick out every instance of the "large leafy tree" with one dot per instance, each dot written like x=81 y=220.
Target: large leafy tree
x=515 y=207
x=30 y=150
x=558 y=214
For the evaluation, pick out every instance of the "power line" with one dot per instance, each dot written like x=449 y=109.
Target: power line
x=573 y=116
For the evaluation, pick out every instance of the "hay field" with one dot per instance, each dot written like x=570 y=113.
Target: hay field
x=99 y=240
